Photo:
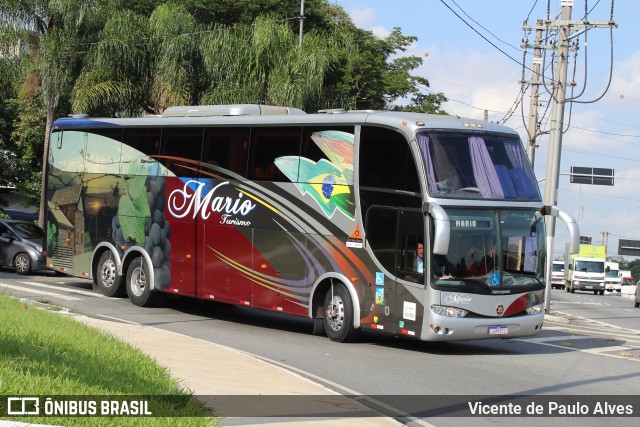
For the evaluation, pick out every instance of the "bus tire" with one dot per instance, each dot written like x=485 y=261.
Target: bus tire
x=109 y=283
x=138 y=286
x=338 y=318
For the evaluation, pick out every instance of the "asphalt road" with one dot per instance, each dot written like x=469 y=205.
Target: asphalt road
x=593 y=348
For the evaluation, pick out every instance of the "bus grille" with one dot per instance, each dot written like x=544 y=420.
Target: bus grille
x=63 y=257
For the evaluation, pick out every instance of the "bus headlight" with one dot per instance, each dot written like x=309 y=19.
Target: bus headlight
x=535 y=309
x=444 y=310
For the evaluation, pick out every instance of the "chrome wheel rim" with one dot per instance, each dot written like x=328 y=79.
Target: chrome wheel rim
x=138 y=281
x=108 y=273
x=22 y=264
x=335 y=313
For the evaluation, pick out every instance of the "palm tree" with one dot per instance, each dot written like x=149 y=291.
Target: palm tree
x=55 y=32
x=141 y=65
x=263 y=63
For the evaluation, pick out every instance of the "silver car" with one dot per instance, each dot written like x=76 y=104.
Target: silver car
x=21 y=245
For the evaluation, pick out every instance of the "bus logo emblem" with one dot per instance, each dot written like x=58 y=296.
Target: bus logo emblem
x=500 y=310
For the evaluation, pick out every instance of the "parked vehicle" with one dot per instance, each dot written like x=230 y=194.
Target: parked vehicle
x=557 y=275
x=20 y=215
x=21 y=245
x=638 y=294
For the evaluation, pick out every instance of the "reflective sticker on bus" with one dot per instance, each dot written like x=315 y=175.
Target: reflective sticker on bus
x=379 y=295
x=379 y=278
x=409 y=310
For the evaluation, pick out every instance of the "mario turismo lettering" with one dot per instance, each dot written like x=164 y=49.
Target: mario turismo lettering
x=182 y=204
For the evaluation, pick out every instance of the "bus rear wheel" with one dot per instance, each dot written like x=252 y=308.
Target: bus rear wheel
x=338 y=318
x=139 y=284
x=109 y=283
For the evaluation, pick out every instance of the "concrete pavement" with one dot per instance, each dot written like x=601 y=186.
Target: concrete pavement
x=210 y=370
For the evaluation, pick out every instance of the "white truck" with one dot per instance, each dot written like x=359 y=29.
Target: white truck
x=557 y=275
x=612 y=277
x=586 y=270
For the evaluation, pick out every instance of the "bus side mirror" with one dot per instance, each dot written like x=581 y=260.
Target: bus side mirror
x=572 y=226
x=442 y=227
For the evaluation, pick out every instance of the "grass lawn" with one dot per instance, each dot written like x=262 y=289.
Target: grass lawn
x=46 y=354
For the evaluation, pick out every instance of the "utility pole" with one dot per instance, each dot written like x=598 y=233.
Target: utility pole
x=555 y=138
x=567 y=30
x=301 y=21
x=535 y=83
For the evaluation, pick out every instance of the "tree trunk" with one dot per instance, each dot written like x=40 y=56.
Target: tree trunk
x=45 y=159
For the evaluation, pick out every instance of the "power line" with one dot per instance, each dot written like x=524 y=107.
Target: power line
x=484 y=28
x=481 y=35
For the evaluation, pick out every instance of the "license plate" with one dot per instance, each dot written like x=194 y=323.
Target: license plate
x=498 y=330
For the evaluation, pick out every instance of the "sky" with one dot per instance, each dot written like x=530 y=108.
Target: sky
x=478 y=74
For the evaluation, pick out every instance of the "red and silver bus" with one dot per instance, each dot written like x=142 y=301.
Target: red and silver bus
x=426 y=226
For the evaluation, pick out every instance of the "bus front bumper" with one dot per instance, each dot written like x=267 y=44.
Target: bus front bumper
x=443 y=328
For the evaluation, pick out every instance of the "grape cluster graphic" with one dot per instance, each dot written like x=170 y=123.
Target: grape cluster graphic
x=150 y=229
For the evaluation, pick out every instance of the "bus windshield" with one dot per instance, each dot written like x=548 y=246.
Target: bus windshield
x=476 y=166
x=490 y=251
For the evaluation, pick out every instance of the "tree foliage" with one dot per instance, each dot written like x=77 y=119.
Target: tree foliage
x=127 y=58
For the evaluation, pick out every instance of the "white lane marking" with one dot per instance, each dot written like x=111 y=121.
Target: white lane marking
x=37 y=292
x=66 y=289
x=590 y=351
x=611 y=348
x=559 y=338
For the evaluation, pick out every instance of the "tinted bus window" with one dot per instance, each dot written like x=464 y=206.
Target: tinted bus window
x=225 y=152
x=140 y=146
x=386 y=161
x=103 y=150
x=181 y=150
x=269 y=144
x=332 y=145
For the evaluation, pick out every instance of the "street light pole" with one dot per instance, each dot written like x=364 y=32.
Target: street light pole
x=555 y=139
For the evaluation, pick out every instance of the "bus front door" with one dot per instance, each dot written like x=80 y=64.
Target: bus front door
x=411 y=267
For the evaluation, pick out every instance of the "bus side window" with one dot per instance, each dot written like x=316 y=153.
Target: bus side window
x=140 y=145
x=338 y=140
x=269 y=144
x=103 y=149
x=386 y=163
x=381 y=232
x=181 y=150
x=225 y=152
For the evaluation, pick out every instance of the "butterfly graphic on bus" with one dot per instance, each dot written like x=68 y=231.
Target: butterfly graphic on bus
x=329 y=182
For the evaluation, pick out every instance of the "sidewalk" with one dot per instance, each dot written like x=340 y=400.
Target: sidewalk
x=211 y=370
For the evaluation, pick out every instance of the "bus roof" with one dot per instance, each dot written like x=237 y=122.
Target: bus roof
x=178 y=116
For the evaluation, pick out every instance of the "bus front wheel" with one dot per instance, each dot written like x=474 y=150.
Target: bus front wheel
x=109 y=283
x=139 y=284
x=338 y=318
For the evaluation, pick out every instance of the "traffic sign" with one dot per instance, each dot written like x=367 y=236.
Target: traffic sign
x=629 y=247
x=592 y=176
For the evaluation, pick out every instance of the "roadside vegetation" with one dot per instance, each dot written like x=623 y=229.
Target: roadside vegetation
x=130 y=58
x=47 y=354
